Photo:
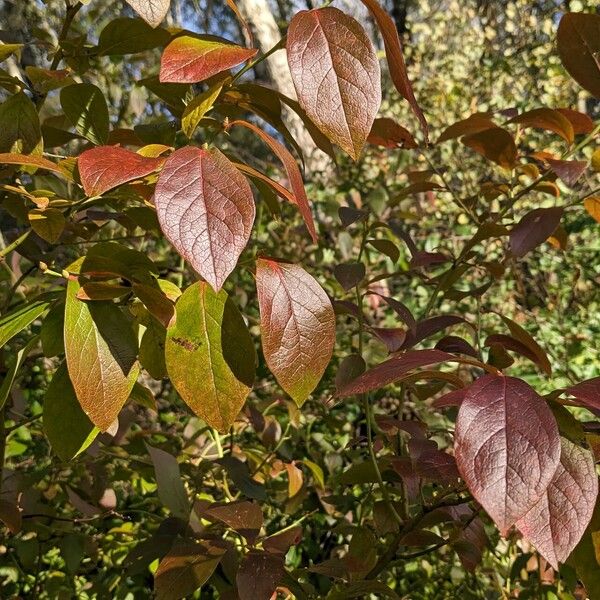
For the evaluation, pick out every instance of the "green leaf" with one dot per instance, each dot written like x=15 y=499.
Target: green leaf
x=128 y=36
x=86 y=109
x=48 y=223
x=210 y=355
x=21 y=317
x=20 y=129
x=7 y=50
x=51 y=332
x=152 y=350
x=198 y=107
x=9 y=378
x=101 y=352
x=66 y=426
x=362 y=589
x=171 y=490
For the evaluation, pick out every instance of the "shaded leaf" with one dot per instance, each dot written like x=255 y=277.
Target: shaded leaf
x=578 y=39
x=16 y=320
x=10 y=515
x=207 y=217
x=239 y=473
x=475 y=123
x=190 y=59
x=15 y=364
x=587 y=393
x=547 y=118
x=349 y=275
x=48 y=223
x=20 y=130
x=171 y=490
x=280 y=543
x=534 y=229
x=129 y=36
x=507 y=447
x=66 y=426
x=297 y=326
x=559 y=519
x=106 y=167
x=495 y=144
x=568 y=170
x=85 y=107
x=387 y=133
x=210 y=356
x=332 y=62
x=186 y=567
x=585 y=557
x=244 y=517
x=259 y=575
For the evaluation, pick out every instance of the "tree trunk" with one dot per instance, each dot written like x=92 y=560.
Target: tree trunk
x=266 y=33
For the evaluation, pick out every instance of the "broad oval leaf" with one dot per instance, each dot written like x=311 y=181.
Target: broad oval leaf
x=534 y=229
x=568 y=170
x=495 y=144
x=101 y=353
x=20 y=130
x=578 y=39
x=66 y=426
x=259 y=575
x=85 y=107
x=297 y=326
x=103 y=168
x=336 y=75
x=587 y=393
x=186 y=567
x=559 y=519
x=242 y=516
x=210 y=356
x=189 y=59
x=171 y=490
x=389 y=134
x=129 y=36
x=152 y=11
x=206 y=209
x=507 y=447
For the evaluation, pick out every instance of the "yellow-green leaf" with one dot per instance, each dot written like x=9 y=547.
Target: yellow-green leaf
x=198 y=107
x=210 y=355
x=48 y=223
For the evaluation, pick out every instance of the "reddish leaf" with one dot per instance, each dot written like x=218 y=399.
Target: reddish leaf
x=152 y=11
x=456 y=345
x=578 y=39
x=559 y=519
x=336 y=75
x=243 y=516
x=453 y=398
x=349 y=275
x=568 y=170
x=391 y=370
x=534 y=229
x=297 y=326
x=106 y=167
x=280 y=543
x=587 y=393
x=547 y=118
x=429 y=327
x=206 y=209
x=29 y=160
x=472 y=124
x=580 y=122
x=190 y=59
x=495 y=144
x=293 y=173
x=387 y=133
x=10 y=515
x=395 y=59
x=507 y=447
x=401 y=310
x=510 y=343
x=393 y=337
x=259 y=575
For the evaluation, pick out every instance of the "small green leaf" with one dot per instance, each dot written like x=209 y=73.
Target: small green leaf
x=210 y=355
x=66 y=426
x=10 y=376
x=21 y=317
x=20 y=129
x=198 y=107
x=86 y=109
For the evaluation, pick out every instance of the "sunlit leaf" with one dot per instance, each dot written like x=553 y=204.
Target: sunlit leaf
x=507 y=447
x=297 y=326
x=206 y=209
x=534 y=229
x=152 y=11
x=210 y=356
x=333 y=64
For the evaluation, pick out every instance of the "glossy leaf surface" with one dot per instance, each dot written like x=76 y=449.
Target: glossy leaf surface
x=557 y=522
x=507 y=447
x=297 y=326
x=206 y=209
x=210 y=356
x=336 y=75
